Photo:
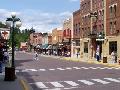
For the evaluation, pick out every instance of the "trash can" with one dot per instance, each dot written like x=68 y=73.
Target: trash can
x=10 y=74
x=104 y=59
x=119 y=62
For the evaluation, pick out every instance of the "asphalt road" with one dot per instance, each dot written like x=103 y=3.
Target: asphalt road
x=50 y=73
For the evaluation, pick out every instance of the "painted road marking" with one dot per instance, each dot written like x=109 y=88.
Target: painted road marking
x=60 y=69
x=86 y=82
x=114 y=80
x=101 y=81
x=71 y=83
x=40 y=85
x=68 y=68
x=84 y=67
x=56 y=84
x=28 y=70
x=42 y=69
x=76 y=68
x=51 y=69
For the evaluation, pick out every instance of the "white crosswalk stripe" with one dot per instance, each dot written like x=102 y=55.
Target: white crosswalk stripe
x=60 y=69
x=76 y=68
x=71 y=83
x=42 y=69
x=28 y=70
x=40 y=85
x=92 y=67
x=56 y=84
x=51 y=69
x=68 y=68
x=114 y=80
x=101 y=81
x=84 y=67
x=86 y=82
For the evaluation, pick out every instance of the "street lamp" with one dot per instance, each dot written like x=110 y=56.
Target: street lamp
x=12 y=22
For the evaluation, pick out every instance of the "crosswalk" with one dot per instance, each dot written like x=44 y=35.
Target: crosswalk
x=58 y=85
x=67 y=68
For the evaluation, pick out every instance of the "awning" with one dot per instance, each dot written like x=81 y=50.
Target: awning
x=44 y=46
x=49 y=47
x=38 y=46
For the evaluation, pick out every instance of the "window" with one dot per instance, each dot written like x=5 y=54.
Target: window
x=85 y=47
x=111 y=11
x=77 y=42
x=114 y=27
x=115 y=10
x=111 y=30
x=112 y=47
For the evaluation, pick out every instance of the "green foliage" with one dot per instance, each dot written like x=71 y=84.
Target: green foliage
x=19 y=36
x=2 y=25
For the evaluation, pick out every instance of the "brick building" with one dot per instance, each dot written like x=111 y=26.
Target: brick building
x=57 y=34
x=67 y=28
x=92 y=13
x=76 y=33
x=112 y=27
x=100 y=27
x=35 y=39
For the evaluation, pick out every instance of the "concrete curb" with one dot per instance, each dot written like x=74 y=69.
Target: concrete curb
x=94 y=62
x=24 y=85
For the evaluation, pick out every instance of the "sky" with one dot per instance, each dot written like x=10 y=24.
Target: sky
x=42 y=15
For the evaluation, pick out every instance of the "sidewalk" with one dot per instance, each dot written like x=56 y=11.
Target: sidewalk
x=94 y=61
x=19 y=84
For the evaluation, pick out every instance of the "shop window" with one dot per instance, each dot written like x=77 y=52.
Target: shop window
x=85 y=47
x=112 y=47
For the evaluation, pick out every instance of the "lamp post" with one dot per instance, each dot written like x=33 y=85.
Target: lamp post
x=10 y=72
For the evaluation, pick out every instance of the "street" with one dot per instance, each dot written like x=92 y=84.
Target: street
x=50 y=73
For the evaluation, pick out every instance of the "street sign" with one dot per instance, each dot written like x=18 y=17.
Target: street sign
x=5 y=34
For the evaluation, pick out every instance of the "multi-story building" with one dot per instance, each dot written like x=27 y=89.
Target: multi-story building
x=112 y=27
x=100 y=27
x=57 y=34
x=92 y=17
x=67 y=28
x=35 y=39
x=76 y=33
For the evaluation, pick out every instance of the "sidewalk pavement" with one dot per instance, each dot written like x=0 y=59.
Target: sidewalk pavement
x=19 y=84
x=94 y=61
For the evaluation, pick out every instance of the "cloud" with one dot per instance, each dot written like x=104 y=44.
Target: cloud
x=74 y=0
x=39 y=20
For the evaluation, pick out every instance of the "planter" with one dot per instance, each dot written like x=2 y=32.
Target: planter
x=10 y=74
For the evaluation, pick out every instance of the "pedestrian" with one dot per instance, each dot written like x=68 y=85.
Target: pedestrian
x=6 y=57
x=1 y=61
x=36 y=56
x=97 y=56
x=113 y=56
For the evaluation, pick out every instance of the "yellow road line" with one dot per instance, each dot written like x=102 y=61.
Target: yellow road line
x=25 y=87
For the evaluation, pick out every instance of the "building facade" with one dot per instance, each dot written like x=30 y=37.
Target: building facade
x=35 y=39
x=112 y=28
x=100 y=28
x=57 y=35
x=76 y=34
x=67 y=28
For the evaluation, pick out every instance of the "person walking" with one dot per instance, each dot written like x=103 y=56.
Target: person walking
x=97 y=56
x=1 y=61
x=113 y=56
x=36 y=56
